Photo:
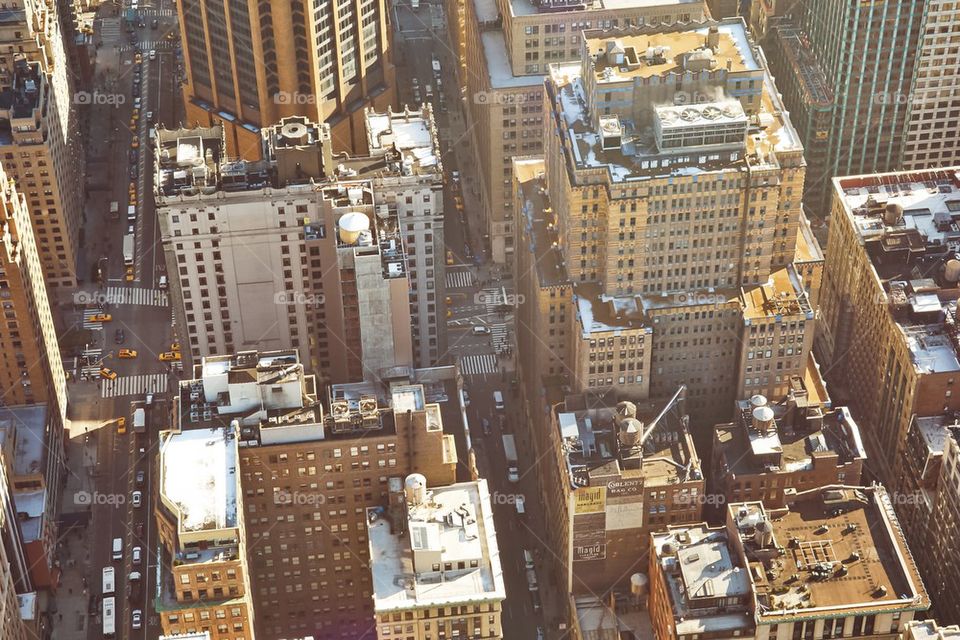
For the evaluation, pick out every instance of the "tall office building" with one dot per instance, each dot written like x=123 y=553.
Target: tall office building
x=889 y=330
x=31 y=370
x=673 y=177
x=507 y=47
x=349 y=252
x=251 y=64
x=35 y=155
x=933 y=134
x=309 y=468
x=610 y=476
x=39 y=132
x=832 y=563
x=851 y=67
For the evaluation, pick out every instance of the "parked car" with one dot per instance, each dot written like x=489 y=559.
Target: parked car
x=141 y=476
x=137 y=499
x=486 y=426
x=136 y=619
x=136 y=555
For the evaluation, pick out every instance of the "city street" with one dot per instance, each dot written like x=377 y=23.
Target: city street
x=107 y=466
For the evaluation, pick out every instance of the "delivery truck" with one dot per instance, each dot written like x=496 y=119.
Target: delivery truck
x=139 y=420
x=114 y=209
x=510 y=453
x=128 y=249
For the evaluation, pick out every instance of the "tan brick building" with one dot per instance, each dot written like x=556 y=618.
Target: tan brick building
x=889 y=330
x=248 y=65
x=507 y=48
x=31 y=371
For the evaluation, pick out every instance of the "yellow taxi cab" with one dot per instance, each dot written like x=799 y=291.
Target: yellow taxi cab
x=137 y=57
x=175 y=346
x=449 y=257
x=129 y=275
x=121 y=425
x=128 y=353
x=134 y=143
x=101 y=317
x=133 y=187
x=169 y=356
x=108 y=374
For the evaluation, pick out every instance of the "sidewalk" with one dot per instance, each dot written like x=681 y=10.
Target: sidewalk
x=69 y=608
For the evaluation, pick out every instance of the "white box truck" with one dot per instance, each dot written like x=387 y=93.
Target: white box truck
x=109 y=580
x=510 y=453
x=128 y=249
x=140 y=420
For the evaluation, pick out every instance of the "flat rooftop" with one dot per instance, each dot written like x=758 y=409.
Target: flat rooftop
x=412 y=133
x=499 y=70
x=796 y=438
x=930 y=630
x=454 y=529
x=199 y=477
x=703 y=573
x=589 y=432
x=532 y=7
x=540 y=222
x=909 y=225
x=28 y=425
x=658 y=134
x=600 y=313
x=831 y=549
x=781 y=296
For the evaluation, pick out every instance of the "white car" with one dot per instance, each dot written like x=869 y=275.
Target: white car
x=153 y=54
x=137 y=499
x=480 y=330
x=137 y=555
x=137 y=619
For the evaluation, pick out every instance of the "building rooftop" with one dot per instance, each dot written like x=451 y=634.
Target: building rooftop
x=792 y=436
x=832 y=549
x=601 y=441
x=533 y=7
x=733 y=120
x=442 y=552
x=600 y=313
x=198 y=480
x=412 y=134
x=707 y=582
x=781 y=296
x=27 y=426
x=596 y=619
x=23 y=104
x=498 y=64
x=909 y=226
x=269 y=394
x=930 y=630
x=540 y=221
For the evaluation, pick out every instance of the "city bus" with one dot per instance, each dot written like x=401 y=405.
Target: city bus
x=108 y=580
x=109 y=617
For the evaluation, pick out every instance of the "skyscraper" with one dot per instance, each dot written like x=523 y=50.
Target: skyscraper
x=674 y=178
x=250 y=64
x=30 y=367
x=853 y=75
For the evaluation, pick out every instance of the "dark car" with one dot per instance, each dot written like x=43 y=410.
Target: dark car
x=141 y=476
x=154 y=23
x=118 y=336
x=139 y=529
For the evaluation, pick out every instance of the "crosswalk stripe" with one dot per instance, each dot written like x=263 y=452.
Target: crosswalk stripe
x=137 y=296
x=478 y=364
x=135 y=385
x=459 y=279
